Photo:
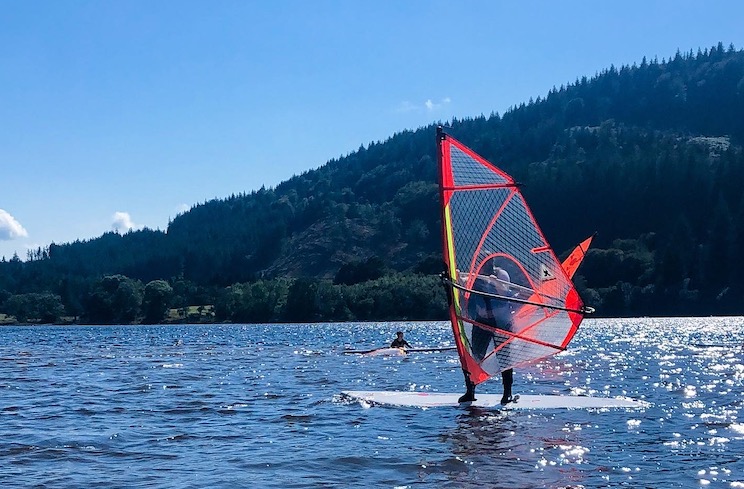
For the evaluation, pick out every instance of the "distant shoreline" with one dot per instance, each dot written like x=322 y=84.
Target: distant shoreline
x=178 y=323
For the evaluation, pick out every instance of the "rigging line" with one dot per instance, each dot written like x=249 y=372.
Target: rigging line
x=511 y=299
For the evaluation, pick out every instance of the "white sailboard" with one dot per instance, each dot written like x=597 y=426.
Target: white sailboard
x=385 y=351
x=528 y=401
x=391 y=351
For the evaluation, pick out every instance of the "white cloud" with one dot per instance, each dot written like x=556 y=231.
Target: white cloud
x=182 y=208
x=432 y=106
x=428 y=106
x=10 y=228
x=122 y=222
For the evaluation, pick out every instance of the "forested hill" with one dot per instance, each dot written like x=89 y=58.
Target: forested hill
x=647 y=156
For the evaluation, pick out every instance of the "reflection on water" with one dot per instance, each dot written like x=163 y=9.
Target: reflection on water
x=241 y=406
x=499 y=447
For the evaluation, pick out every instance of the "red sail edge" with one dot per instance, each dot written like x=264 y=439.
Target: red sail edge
x=572 y=262
x=511 y=301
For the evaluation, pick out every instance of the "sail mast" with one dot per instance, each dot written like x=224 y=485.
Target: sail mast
x=446 y=240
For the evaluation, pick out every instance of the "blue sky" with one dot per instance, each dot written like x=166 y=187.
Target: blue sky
x=119 y=114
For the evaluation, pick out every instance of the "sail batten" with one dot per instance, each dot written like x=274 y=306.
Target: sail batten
x=511 y=301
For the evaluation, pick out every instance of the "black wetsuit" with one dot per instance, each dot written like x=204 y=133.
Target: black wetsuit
x=399 y=344
x=497 y=315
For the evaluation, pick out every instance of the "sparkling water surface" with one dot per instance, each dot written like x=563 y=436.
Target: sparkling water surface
x=223 y=406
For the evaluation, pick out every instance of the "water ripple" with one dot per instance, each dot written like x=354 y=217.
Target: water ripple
x=259 y=405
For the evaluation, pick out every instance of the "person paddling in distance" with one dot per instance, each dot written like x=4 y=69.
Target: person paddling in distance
x=495 y=313
x=399 y=342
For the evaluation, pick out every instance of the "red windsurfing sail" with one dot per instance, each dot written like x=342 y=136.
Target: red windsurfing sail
x=572 y=262
x=511 y=300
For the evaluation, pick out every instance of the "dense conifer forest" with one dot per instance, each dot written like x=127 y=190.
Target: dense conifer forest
x=649 y=157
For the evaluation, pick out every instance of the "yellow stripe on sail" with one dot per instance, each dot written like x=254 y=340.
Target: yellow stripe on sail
x=453 y=276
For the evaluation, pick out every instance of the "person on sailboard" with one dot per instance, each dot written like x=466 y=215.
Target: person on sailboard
x=495 y=313
x=399 y=342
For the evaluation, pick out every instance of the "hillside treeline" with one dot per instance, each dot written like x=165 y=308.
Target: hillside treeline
x=649 y=157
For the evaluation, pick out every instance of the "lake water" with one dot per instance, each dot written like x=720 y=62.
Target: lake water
x=224 y=406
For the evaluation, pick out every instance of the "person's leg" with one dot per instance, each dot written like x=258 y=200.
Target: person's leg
x=507 y=378
x=481 y=338
x=469 y=395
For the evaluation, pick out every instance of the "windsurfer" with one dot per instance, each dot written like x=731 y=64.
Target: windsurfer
x=485 y=219
x=399 y=342
x=497 y=314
